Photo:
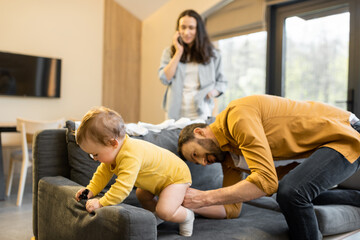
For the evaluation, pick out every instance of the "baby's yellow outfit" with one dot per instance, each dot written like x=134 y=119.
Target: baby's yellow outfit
x=141 y=164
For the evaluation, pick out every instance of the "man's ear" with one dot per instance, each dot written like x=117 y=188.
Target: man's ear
x=199 y=131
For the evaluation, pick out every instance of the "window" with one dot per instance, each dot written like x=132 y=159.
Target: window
x=316 y=55
x=243 y=65
x=313 y=52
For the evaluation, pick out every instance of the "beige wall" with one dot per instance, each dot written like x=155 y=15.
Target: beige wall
x=68 y=29
x=157 y=32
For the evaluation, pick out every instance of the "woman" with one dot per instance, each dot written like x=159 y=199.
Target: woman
x=191 y=68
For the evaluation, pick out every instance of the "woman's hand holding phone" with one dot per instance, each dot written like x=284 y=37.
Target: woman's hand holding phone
x=177 y=42
x=170 y=68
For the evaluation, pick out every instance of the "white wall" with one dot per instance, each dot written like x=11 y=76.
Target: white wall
x=157 y=32
x=68 y=29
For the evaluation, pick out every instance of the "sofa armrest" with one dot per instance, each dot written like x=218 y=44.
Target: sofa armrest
x=50 y=158
x=60 y=216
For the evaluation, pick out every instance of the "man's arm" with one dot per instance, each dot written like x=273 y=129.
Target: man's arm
x=216 y=211
x=230 y=204
x=242 y=191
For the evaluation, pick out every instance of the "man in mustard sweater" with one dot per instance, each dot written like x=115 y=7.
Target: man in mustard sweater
x=255 y=133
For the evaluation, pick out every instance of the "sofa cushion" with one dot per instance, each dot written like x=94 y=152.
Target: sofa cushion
x=352 y=182
x=253 y=223
x=332 y=219
x=167 y=139
x=266 y=202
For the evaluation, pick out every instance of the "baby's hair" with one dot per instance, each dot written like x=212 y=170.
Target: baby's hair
x=101 y=124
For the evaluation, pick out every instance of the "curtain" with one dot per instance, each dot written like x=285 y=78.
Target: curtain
x=237 y=17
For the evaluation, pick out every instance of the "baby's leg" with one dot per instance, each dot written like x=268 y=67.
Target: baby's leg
x=169 y=207
x=146 y=199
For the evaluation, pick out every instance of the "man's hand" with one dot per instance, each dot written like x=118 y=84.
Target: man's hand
x=92 y=205
x=194 y=199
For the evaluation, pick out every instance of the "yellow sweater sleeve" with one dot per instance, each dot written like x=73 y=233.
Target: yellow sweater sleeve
x=126 y=170
x=231 y=177
x=254 y=146
x=239 y=129
x=100 y=178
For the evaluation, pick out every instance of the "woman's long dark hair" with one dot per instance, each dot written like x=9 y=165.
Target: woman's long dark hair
x=202 y=49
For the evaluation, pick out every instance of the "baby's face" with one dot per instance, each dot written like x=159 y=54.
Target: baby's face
x=98 y=152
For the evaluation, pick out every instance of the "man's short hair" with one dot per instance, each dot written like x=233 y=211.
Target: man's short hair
x=187 y=134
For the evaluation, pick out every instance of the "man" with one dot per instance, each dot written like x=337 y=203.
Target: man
x=261 y=130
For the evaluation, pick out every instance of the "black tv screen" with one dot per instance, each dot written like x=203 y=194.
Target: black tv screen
x=25 y=75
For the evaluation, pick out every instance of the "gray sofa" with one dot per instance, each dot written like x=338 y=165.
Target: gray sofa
x=61 y=168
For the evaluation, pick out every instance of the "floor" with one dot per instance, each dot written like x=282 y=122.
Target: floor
x=16 y=222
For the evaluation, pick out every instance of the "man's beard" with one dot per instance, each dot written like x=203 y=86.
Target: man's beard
x=213 y=149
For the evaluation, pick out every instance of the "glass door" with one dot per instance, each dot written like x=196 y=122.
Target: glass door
x=316 y=51
x=243 y=66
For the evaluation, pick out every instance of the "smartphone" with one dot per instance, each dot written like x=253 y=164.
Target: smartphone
x=180 y=40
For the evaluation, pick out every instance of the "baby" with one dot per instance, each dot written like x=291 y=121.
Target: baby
x=160 y=176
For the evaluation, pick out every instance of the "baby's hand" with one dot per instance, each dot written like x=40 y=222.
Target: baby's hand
x=77 y=195
x=92 y=205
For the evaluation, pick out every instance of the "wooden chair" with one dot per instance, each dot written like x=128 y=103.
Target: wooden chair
x=27 y=129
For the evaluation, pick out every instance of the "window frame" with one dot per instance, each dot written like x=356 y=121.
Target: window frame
x=275 y=59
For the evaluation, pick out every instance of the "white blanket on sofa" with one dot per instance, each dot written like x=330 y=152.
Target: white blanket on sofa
x=141 y=128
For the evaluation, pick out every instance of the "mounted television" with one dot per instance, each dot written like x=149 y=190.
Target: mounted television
x=25 y=75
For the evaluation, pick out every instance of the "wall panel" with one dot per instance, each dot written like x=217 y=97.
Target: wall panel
x=121 y=67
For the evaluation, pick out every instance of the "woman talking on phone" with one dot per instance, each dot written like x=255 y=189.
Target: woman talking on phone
x=191 y=68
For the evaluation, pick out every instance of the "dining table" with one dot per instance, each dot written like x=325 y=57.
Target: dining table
x=4 y=127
